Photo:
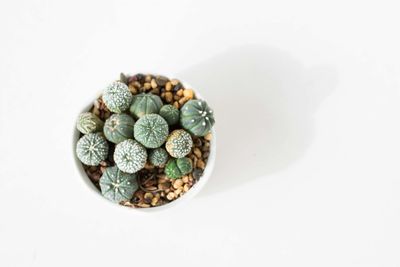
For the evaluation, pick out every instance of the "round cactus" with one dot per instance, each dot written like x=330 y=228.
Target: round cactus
x=119 y=127
x=89 y=123
x=143 y=104
x=177 y=168
x=118 y=186
x=117 y=97
x=158 y=157
x=170 y=114
x=91 y=149
x=179 y=143
x=151 y=130
x=130 y=156
x=196 y=117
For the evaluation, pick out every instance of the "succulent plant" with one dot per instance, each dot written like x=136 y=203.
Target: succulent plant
x=196 y=117
x=119 y=127
x=143 y=104
x=177 y=168
x=118 y=186
x=91 y=149
x=89 y=123
x=130 y=156
x=158 y=157
x=117 y=97
x=151 y=130
x=170 y=114
x=179 y=143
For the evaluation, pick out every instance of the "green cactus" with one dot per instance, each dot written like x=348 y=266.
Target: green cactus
x=89 y=123
x=151 y=130
x=143 y=104
x=170 y=114
x=158 y=157
x=130 y=156
x=91 y=149
x=177 y=168
x=117 y=97
x=119 y=127
x=179 y=143
x=118 y=186
x=196 y=117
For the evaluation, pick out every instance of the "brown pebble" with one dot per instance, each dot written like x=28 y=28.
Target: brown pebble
x=183 y=100
x=168 y=97
x=147 y=86
x=170 y=196
x=180 y=92
x=174 y=82
x=188 y=93
x=176 y=97
x=148 y=78
x=143 y=205
x=178 y=183
x=153 y=83
x=178 y=191
x=197 y=152
x=208 y=137
x=185 y=179
x=168 y=86
x=148 y=195
x=176 y=104
x=206 y=155
x=164 y=186
x=103 y=169
x=133 y=89
x=186 y=188
x=155 y=91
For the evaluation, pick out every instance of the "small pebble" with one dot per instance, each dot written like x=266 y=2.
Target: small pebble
x=208 y=137
x=168 y=97
x=206 y=154
x=168 y=86
x=197 y=152
x=197 y=173
x=176 y=104
x=186 y=188
x=174 y=82
x=154 y=201
x=147 y=86
x=178 y=183
x=148 y=78
x=178 y=191
x=153 y=83
x=180 y=92
x=200 y=164
x=161 y=80
x=185 y=179
x=132 y=88
x=188 y=93
x=183 y=100
x=170 y=196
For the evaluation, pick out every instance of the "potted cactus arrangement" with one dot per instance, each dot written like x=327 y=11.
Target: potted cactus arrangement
x=145 y=142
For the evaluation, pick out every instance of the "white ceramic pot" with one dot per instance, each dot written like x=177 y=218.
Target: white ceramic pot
x=184 y=198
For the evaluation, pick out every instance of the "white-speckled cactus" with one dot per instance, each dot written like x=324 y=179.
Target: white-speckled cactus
x=118 y=186
x=143 y=104
x=151 y=130
x=119 y=127
x=158 y=157
x=130 y=156
x=92 y=148
x=117 y=97
x=179 y=143
x=89 y=123
x=196 y=117
x=170 y=114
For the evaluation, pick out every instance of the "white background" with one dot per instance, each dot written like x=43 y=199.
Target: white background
x=306 y=95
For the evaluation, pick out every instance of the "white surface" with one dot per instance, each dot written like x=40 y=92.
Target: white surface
x=306 y=95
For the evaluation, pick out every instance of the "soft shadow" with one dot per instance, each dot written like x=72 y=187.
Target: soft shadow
x=264 y=101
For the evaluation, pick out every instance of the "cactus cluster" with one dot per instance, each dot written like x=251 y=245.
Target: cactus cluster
x=144 y=125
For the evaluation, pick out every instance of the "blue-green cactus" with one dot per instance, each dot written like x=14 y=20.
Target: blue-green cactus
x=179 y=143
x=158 y=157
x=89 y=123
x=143 y=104
x=118 y=186
x=117 y=97
x=177 y=168
x=170 y=114
x=91 y=149
x=130 y=156
x=151 y=130
x=196 y=117
x=119 y=127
